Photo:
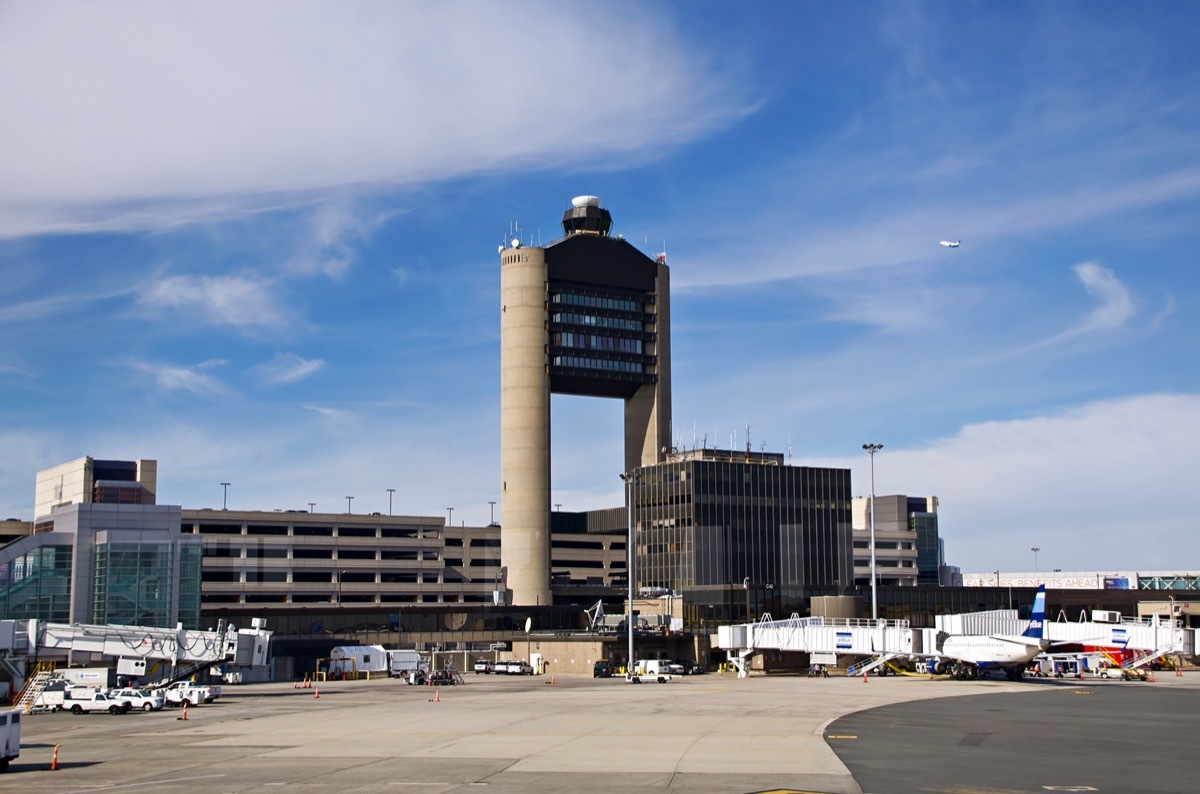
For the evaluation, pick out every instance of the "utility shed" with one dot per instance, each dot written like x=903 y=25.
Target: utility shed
x=351 y=659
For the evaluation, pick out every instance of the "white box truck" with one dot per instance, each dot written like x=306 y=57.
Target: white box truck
x=10 y=737
x=407 y=664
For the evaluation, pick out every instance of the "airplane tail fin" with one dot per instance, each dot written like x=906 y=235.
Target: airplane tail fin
x=1037 y=618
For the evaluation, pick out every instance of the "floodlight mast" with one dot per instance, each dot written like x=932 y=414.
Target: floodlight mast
x=871 y=450
x=629 y=479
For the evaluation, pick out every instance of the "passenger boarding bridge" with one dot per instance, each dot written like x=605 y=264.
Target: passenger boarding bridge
x=24 y=641
x=873 y=643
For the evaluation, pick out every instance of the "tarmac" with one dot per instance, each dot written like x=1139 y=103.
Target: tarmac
x=705 y=733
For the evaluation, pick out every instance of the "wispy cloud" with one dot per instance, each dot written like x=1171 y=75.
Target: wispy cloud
x=286 y=368
x=238 y=301
x=1113 y=310
x=192 y=380
x=389 y=95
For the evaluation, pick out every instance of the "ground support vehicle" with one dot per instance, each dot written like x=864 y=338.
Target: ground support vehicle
x=10 y=737
x=139 y=698
x=99 y=702
x=403 y=663
x=602 y=669
x=195 y=694
x=658 y=670
x=483 y=666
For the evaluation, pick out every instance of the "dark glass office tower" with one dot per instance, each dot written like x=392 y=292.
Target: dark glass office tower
x=714 y=517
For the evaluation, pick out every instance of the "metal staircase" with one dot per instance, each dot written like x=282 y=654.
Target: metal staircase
x=1142 y=659
x=33 y=688
x=873 y=663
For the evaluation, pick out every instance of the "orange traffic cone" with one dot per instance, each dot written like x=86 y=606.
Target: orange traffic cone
x=437 y=696
x=184 y=717
x=864 y=678
x=317 y=692
x=1150 y=676
x=54 y=760
x=295 y=685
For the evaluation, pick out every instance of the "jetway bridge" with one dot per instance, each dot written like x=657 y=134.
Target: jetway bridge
x=874 y=642
x=24 y=643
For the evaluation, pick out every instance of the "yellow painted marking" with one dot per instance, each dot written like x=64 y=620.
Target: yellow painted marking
x=1081 y=692
x=837 y=736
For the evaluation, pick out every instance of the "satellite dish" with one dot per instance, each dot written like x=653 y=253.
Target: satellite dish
x=499 y=249
x=516 y=243
x=528 y=624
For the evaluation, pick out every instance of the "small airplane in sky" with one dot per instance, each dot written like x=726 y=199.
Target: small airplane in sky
x=950 y=243
x=967 y=656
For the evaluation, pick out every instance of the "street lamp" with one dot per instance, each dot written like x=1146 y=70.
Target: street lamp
x=312 y=506
x=871 y=450
x=390 y=492
x=1035 y=550
x=746 y=586
x=450 y=520
x=349 y=499
x=492 y=513
x=629 y=479
x=225 y=496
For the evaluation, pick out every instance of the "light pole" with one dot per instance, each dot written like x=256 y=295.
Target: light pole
x=390 y=492
x=349 y=499
x=450 y=520
x=225 y=496
x=492 y=513
x=312 y=506
x=871 y=450
x=629 y=479
x=558 y=506
x=746 y=587
x=1035 y=550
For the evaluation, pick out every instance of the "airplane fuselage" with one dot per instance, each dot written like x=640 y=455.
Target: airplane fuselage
x=985 y=652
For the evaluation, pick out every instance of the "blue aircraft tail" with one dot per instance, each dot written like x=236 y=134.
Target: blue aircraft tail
x=1037 y=618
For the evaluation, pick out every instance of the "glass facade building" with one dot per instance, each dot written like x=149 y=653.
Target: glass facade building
x=133 y=584
x=37 y=584
x=714 y=517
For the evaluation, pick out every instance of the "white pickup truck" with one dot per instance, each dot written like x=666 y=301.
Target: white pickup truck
x=178 y=692
x=98 y=702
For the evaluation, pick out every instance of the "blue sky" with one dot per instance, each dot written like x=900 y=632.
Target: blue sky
x=257 y=242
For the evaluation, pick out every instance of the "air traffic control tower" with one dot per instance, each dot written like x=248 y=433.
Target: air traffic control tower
x=590 y=315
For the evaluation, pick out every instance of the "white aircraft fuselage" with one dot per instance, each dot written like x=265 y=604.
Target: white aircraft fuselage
x=968 y=655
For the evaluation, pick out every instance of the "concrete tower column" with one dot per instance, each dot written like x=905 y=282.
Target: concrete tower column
x=524 y=425
x=648 y=411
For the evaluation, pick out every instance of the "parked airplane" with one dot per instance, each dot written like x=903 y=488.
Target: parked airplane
x=951 y=243
x=966 y=656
